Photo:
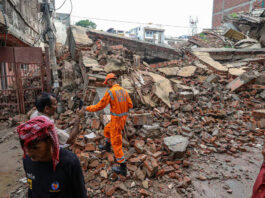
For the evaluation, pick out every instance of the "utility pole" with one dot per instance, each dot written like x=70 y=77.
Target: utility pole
x=51 y=38
x=193 y=26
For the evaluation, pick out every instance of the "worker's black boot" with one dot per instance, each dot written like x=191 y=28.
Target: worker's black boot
x=105 y=147
x=122 y=169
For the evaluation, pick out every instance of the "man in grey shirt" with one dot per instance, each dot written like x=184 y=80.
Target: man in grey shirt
x=46 y=105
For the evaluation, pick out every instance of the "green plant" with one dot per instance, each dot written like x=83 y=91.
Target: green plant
x=234 y=15
x=87 y=24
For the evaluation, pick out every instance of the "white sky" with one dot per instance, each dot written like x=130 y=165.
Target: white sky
x=164 y=12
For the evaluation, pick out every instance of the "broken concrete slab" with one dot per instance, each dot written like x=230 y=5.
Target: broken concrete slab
x=141 y=48
x=187 y=71
x=186 y=94
x=176 y=81
x=92 y=64
x=114 y=65
x=248 y=43
x=177 y=144
x=212 y=78
x=80 y=36
x=236 y=71
x=127 y=84
x=169 y=71
x=162 y=87
x=260 y=79
x=206 y=58
x=240 y=81
x=199 y=65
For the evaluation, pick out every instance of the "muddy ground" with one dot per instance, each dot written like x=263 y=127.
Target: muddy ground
x=213 y=176
x=11 y=169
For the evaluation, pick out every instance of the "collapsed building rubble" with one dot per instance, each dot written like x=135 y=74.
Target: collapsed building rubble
x=195 y=105
x=208 y=99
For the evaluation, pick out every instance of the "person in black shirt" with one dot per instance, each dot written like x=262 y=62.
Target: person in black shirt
x=51 y=172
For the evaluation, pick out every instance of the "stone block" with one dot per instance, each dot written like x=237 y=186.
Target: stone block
x=177 y=145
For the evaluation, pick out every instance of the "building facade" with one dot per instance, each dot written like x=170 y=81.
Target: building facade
x=62 y=23
x=225 y=7
x=21 y=22
x=150 y=34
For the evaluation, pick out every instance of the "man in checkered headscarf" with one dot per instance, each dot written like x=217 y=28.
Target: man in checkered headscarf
x=39 y=140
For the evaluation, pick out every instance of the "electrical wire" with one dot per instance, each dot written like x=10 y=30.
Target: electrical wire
x=70 y=12
x=41 y=34
x=61 y=6
x=133 y=22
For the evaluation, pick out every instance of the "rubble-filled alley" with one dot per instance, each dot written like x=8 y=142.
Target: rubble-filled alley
x=198 y=122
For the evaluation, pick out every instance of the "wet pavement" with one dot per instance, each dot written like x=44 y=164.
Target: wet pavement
x=225 y=176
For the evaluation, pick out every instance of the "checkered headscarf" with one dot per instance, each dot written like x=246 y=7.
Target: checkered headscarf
x=39 y=128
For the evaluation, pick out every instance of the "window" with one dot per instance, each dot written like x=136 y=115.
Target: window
x=149 y=34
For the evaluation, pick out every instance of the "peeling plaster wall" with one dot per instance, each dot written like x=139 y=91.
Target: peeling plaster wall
x=23 y=19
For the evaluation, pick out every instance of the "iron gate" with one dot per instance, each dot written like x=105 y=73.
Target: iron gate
x=24 y=74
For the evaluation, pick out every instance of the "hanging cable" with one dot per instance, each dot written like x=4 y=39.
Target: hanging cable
x=132 y=22
x=69 y=13
x=42 y=32
x=60 y=6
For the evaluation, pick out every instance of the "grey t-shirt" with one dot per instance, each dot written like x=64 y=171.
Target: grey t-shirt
x=62 y=134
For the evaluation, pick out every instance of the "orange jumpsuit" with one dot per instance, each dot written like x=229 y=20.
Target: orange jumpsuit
x=120 y=103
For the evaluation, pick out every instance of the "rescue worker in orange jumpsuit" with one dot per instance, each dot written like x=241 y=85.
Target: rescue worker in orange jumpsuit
x=120 y=103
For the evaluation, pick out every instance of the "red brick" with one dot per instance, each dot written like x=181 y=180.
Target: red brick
x=172 y=175
x=131 y=167
x=166 y=124
x=176 y=166
x=110 y=190
x=157 y=154
x=178 y=162
x=95 y=124
x=187 y=180
x=90 y=147
x=142 y=157
x=140 y=174
x=150 y=166
x=109 y=156
x=160 y=172
x=134 y=160
x=142 y=119
x=139 y=145
x=144 y=192
x=186 y=163
x=169 y=163
x=84 y=156
x=94 y=164
x=168 y=169
x=175 y=121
